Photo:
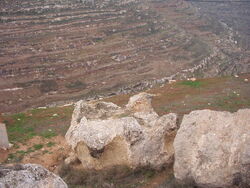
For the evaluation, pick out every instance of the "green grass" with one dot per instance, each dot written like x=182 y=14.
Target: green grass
x=48 y=134
x=37 y=122
x=231 y=102
x=18 y=155
x=50 y=144
x=45 y=151
x=19 y=131
x=193 y=84
x=38 y=146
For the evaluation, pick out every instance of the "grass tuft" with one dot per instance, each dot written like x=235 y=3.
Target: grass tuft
x=193 y=84
x=50 y=144
x=48 y=134
x=38 y=146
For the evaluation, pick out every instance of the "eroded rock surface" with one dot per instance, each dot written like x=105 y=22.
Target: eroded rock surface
x=212 y=149
x=104 y=134
x=29 y=176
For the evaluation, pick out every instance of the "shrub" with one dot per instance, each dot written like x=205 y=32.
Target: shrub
x=48 y=85
x=76 y=85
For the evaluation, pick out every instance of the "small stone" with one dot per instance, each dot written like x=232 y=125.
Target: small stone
x=42 y=107
x=172 y=81
x=11 y=145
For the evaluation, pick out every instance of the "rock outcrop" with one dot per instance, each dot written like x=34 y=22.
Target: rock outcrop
x=212 y=149
x=29 y=176
x=104 y=134
x=4 y=141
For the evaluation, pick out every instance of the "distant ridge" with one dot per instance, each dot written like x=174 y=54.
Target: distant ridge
x=218 y=1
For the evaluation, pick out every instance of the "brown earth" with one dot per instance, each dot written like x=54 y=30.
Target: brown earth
x=3 y=155
x=48 y=156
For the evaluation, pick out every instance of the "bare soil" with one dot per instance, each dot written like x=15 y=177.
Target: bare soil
x=3 y=155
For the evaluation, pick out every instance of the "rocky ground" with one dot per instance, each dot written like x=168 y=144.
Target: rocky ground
x=66 y=50
x=38 y=134
x=53 y=51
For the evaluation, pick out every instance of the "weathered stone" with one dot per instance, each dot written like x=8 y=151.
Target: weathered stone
x=140 y=103
x=212 y=149
x=110 y=135
x=29 y=176
x=93 y=110
x=4 y=142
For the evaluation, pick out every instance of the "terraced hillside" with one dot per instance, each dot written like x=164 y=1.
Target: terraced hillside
x=57 y=50
x=235 y=14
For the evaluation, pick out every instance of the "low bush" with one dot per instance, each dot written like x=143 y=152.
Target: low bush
x=118 y=176
x=76 y=85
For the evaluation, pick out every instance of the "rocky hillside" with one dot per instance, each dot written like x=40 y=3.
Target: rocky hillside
x=234 y=14
x=60 y=50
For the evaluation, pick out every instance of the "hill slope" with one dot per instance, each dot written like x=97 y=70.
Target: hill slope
x=60 y=50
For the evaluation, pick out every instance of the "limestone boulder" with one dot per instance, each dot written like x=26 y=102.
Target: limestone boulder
x=93 y=110
x=212 y=149
x=29 y=176
x=109 y=135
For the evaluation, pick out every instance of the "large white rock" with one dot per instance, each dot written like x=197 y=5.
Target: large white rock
x=29 y=176
x=212 y=149
x=104 y=134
